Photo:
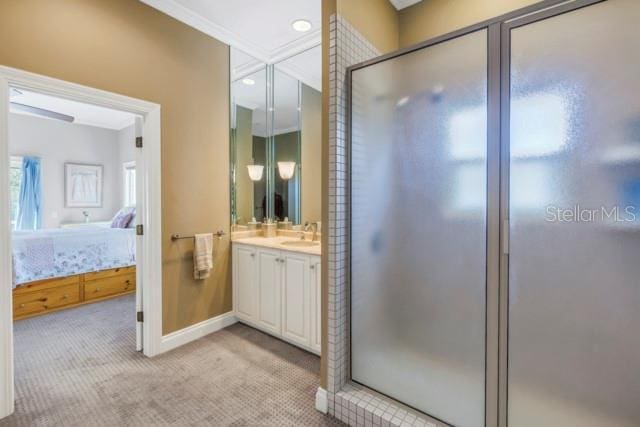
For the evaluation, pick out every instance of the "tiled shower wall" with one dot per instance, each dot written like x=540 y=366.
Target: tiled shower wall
x=349 y=402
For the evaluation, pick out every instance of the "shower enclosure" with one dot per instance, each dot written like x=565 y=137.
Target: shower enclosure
x=495 y=220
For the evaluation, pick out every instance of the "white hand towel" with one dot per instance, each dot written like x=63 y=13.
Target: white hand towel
x=202 y=256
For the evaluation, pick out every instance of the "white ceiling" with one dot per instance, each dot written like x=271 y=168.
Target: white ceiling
x=260 y=28
x=84 y=114
x=401 y=4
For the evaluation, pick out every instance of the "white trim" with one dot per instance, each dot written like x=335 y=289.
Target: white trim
x=299 y=45
x=197 y=331
x=217 y=31
x=6 y=309
x=148 y=210
x=322 y=403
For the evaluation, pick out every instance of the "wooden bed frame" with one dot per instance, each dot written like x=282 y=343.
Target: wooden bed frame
x=46 y=296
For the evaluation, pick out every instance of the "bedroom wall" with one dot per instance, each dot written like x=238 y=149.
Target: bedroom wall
x=57 y=143
x=126 y=47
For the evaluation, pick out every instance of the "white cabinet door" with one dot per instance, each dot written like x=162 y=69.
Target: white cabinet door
x=269 y=277
x=315 y=279
x=245 y=283
x=296 y=314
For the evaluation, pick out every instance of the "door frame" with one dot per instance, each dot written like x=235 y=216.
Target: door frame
x=149 y=247
x=497 y=208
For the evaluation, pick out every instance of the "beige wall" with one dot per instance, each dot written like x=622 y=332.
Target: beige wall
x=431 y=18
x=311 y=153
x=126 y=47
x=377 y=20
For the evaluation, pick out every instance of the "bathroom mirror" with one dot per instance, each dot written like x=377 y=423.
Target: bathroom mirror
x=276 y=147
x=248 y=138
x=297 y=137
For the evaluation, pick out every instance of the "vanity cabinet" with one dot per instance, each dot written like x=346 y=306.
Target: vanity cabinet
x=278 y=292
x=269 y=279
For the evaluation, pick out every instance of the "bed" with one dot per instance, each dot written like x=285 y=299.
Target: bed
x=54 y=269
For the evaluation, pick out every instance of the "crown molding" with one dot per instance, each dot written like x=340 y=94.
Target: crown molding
x=192 y=19
x=299 y=45
x=185 y=15
x=246 y=69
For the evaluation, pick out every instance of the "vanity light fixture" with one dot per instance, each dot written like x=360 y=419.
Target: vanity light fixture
x=248 y=81
x=255 y=172
x=286 y=169
x=301 y=25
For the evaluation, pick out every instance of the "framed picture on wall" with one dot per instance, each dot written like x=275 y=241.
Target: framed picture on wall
x=83 y=185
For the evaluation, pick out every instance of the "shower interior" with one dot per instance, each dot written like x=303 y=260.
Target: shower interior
x=495 y=220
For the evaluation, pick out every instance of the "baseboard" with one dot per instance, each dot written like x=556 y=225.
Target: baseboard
x=322 y=403
x=194 y=332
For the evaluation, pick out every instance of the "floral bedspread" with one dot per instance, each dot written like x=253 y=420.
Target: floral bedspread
x=49 y=253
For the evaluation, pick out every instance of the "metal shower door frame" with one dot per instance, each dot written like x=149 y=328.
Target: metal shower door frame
x=497 y=207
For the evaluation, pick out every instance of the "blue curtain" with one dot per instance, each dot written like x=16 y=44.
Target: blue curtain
x=29 y=204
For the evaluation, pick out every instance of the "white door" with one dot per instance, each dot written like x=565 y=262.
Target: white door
x=316 y=304
x=296 y=313
x=244 y=278
x=269 y=277
x=139 y=192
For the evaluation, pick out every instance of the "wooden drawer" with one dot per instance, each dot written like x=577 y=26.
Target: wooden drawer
x=101 y=288
x=28 y=303
x=110 y=273
x=46 y=284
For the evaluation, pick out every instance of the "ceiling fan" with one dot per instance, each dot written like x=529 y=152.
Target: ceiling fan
x=18 y=107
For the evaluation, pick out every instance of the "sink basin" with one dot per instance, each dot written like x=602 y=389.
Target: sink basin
x=301 y=243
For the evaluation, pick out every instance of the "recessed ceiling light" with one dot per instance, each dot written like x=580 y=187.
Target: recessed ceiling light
x=249 y=82
x=301 y=25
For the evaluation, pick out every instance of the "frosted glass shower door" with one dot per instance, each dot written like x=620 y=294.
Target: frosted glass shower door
x=418 y=252
x=574 y=262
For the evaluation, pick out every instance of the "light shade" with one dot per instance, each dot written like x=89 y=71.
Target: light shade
x=255 y=172
x=286 y=169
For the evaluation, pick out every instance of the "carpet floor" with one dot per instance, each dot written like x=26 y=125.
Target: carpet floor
x=79 y=368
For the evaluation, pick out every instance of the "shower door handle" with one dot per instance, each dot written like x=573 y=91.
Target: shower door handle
x=505 y=237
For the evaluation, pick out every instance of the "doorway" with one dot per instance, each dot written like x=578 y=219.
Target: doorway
x=146 y=137
x=495 y=282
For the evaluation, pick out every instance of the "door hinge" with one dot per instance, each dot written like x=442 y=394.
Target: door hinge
x=138 y=142
x=140 y=316
x=139 y=230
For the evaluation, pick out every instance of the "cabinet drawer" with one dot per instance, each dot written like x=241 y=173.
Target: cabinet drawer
x=110 y=273
x=45 y=299
x=109 y=286
x=41 y=285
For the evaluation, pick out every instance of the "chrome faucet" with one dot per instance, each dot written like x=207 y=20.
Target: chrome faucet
x=308 y=226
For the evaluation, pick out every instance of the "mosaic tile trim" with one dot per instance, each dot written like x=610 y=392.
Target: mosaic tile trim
x=350 y=403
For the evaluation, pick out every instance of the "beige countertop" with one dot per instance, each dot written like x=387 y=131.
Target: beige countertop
x=279 y=243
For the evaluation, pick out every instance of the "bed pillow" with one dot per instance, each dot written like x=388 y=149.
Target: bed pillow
x=123 y=218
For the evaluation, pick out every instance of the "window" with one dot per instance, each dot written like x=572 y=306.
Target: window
x=129 y=169
x=15 y=180
x=539 y=130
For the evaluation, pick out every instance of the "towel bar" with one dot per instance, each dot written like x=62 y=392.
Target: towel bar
x=175 y=237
